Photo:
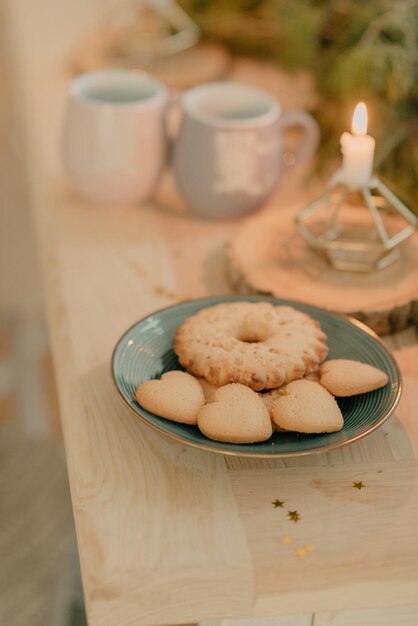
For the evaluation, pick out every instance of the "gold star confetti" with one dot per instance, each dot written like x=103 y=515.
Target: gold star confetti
x=293 y=515
x=278 y=504
x=137 y=268
x=287 y=540
x=305 y=551
x=358 y=485
x=161 y=291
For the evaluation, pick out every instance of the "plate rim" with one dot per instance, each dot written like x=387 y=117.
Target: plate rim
x=261 y=455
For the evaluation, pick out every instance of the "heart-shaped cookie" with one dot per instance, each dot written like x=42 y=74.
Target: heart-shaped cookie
x=237 y=415
x=307 y=407
x=343 y=377
x=177 y=396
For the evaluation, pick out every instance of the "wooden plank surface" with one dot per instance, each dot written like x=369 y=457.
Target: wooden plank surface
x=268 y=255
x=158 y=532
x=348 y=544
x=282 y=620
x=366 y=617
x=168 y=534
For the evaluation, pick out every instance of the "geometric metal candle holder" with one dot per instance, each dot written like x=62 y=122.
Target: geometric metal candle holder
x=354 y=227
x=154 y=28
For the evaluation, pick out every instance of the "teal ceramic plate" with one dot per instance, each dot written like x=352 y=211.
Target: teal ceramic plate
x=146 y=351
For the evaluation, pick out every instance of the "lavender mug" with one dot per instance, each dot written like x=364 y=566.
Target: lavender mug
x=228 y=154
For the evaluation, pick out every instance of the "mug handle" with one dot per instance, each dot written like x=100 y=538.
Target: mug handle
x=310 y=142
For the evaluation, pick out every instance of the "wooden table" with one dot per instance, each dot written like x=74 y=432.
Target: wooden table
x=168 y=534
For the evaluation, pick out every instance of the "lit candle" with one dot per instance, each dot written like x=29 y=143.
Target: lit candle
x=357 y=148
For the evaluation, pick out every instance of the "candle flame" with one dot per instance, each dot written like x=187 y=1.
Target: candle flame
x=359 y=123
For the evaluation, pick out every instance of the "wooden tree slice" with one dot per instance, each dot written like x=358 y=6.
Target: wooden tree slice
x=267 y=255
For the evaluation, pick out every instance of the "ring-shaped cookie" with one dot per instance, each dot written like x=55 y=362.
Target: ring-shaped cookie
x=257 y=344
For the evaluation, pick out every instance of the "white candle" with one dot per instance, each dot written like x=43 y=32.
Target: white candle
x=357 y=148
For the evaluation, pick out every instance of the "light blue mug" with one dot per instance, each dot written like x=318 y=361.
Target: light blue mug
x=228 y=154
